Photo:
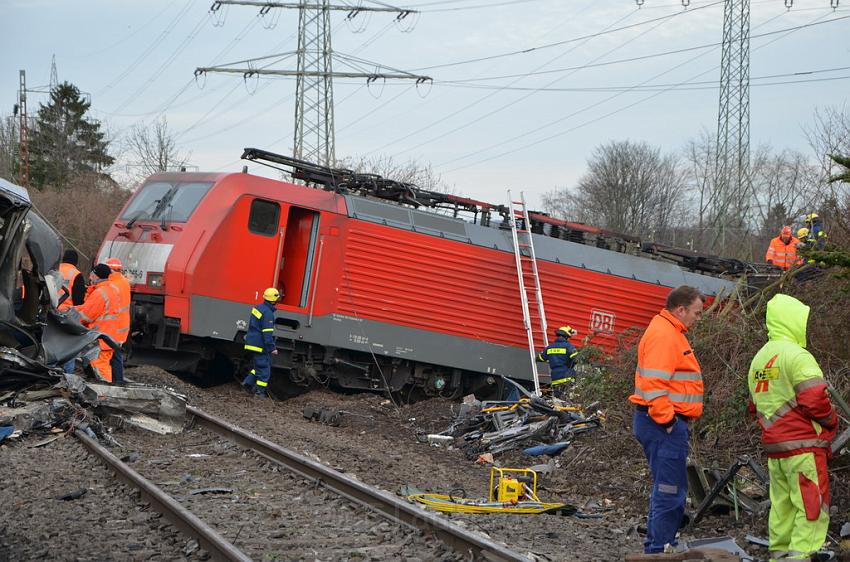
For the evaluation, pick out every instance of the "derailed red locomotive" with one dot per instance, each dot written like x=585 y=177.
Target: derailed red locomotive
x=384 y=285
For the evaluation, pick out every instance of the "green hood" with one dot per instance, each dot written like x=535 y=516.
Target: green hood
x=786 y=319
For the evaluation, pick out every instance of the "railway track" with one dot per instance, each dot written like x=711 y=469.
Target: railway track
x=273 y=510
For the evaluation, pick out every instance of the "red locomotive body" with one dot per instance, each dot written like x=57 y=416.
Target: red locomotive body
x=376 y=294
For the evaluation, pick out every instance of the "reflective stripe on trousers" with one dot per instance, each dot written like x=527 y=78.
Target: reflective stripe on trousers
x=667 y=456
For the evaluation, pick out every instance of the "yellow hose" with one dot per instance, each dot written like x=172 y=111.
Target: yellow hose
x=448 y=504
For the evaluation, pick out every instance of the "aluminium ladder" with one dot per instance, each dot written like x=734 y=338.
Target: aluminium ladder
x=526 y=268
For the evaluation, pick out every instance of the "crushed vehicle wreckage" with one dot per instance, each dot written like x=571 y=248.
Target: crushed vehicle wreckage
x=538 y=426
x=36 y=339
x=35 y=336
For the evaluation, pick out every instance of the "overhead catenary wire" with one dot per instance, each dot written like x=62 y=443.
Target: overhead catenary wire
x=511 y=103
x=693 y=86
x=165 y=64
x=170 y=101
x=394 y=119
x=611 y=113
x=144 y=54
x=587 y=107
x=627 y=60
x=476 y=102
x=568 y=41
x=125 y=38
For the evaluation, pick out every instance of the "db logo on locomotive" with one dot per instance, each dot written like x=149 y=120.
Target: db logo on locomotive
x=601 y=321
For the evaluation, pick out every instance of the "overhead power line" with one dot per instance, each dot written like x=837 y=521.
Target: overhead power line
x=632 y=59
x=599 y=118
x=314 y=138
x=511 y=103
x=703 y=85
x=474 y=103
x=567 y=41
x=144 y=54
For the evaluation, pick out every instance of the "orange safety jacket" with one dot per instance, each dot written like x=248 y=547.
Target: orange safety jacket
x=123 y=322
x=782 y=254
x=668 y=379
x=69 y=275
x=100 y=311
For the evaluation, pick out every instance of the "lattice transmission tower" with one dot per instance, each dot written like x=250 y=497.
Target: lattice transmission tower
x=314 y=138
x=733 y=180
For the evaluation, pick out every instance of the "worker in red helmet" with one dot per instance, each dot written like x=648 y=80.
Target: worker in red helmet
x=260 y=343
x=782 y=251
x=100 y=312
x=122 y=330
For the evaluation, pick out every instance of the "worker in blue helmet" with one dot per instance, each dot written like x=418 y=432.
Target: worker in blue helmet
x=260 y=343
x=561 y=356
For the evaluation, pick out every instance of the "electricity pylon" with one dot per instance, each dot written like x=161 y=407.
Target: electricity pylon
x=314 y=108
x=733 y=180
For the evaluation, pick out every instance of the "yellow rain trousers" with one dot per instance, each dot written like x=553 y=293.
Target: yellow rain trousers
x=799 y=505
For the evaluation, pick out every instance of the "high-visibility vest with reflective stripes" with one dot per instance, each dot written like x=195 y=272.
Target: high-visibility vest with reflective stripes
x=260 y=335
x=787 y=388
x=100 y=311
x=560 y=354
x=668 y=379
x=123 y=322
x=69 y=273
x=782 y=254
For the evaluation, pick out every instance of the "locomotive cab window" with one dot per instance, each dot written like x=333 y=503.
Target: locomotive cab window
x=263 y=217
x=166 y=202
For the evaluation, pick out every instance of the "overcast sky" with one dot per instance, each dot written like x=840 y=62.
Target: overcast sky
x=526 y=121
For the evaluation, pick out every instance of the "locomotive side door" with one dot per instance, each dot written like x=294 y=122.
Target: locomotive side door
x=299 y=232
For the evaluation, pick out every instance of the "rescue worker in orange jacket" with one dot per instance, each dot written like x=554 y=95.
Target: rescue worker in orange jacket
x=72 y=280
x=122 y=330
x=100 y=312
x=788 y=396
x=667 y=397
x=782 y=251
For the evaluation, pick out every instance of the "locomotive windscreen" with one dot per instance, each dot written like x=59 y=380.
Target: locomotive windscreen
x=168 y=201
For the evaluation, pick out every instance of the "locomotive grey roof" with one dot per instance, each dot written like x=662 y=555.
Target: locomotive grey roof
x=546 y=248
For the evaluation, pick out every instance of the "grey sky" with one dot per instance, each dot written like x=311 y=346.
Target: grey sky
x=135 y=57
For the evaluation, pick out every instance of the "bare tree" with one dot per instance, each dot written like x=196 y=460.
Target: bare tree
x=785 y=180
x=153 y=148
x=8 y=148
x=417 y=173
x=630 y=187
x=829 y=133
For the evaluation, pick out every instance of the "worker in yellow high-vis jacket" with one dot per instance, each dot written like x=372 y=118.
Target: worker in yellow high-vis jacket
x=788 y=396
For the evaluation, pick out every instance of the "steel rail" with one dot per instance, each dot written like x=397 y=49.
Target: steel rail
x=387 y=505
x=207 y=537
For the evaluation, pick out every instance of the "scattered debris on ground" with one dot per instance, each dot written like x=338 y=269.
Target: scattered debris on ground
x=537 y=426
x=69 y=403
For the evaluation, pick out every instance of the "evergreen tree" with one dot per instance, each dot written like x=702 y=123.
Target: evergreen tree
x=64 y=141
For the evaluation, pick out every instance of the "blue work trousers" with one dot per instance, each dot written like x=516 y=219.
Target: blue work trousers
x=116 y=363
x=667 y=454
x=261 y=373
